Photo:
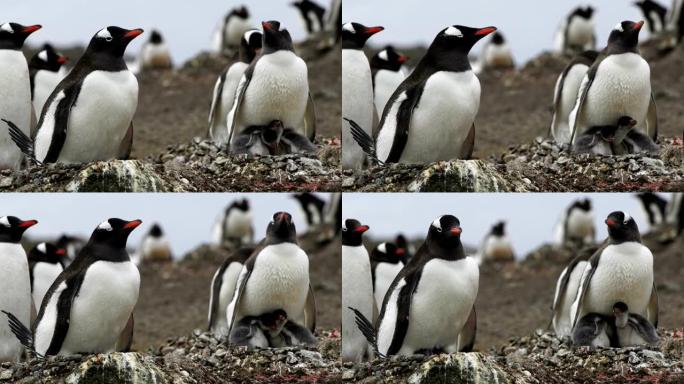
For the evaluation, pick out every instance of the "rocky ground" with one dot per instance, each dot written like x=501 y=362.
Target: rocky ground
x=169 y=156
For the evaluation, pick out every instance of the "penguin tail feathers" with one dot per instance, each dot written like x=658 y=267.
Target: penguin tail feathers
x=367 y=329
x=364 y=140
x=22 y=332
x=22 y=141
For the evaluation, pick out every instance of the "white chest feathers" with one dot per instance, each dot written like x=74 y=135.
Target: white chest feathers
x=16 y=298
x=238 y=226
x=568 y=98
x=384 y=276
x=356 y=277
x=386 y=82
x=580 y=33
x=15 y=103
x=44 y=82
x=44 y=274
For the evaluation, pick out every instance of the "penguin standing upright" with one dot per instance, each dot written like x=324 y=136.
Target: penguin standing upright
x=15 y=283
x=675 y=19
x=89 y=116
x=617 y=84
x=675 y=213
x=45 y=69
x=431 y=116
x=89 y=308
x=496 y=246
x=312 y=206
x=257 y=291
x=357 y=291
x=497 y=54
x=654 y=15
x=227 y=83
x=223 y=288
x=15 y=90
x=387 y=260
x=621 y=270
x=576 y=225
x=333 y=22
x=312 y=15
x=388 y=72
x=275 y=86
x=155 y=53
x=155 y=246
x=357 y=90
x=233 y=26
x=430 y=306
x=565 y=94
x=654 y=206
x=234 y=226
x=46 y=262
x=567 y=286
x=576 y=33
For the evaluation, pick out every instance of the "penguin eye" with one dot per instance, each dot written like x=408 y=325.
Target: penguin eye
x=344 y=229
x=439 y=229
x=109 y=38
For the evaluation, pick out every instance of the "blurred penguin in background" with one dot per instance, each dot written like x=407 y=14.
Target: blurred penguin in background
x=387 y=69
x=654 y=206
x=234 y=25
x=234 y=227
x=496 y=247
x=497 y=54
x=576 y=225
x=154 y=247
x=46 y=70
x=577 y=32
x=155 y=53
x=312 y=15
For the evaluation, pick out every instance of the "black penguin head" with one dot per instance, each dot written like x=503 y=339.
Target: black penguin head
x=275 y=39
x=621 y=314
x=583 y=12
x=47 y=59
x=445 y=232
x=626 y=122
x=498 y=38
x=458 y=38
x=112 y=41
x=582 y=205
x=114 y=232
x=647 y=6
x=12 y=228
x=388 y=59
x=625 y=37
x=622 y=227
x=241 y=12
x=281 y=229
x=390 y=253
x=499 y=229
x=352 y=232
x=240 y=204
x=13 y=35
x=156 y=37
x=250 y=45
x=589 y=56
x=47 y=252
x=156 y=231
x=402 y=244
x=355 y=35
x=271 y=134
x=273 y=321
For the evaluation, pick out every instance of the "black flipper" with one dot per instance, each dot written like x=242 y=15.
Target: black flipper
x=62 y=114
x=25 y=143
x=23 y=334
x=367 y=329
x=364 y=141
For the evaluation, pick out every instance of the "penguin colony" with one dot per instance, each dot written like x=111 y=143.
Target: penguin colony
x=424 y=303
x=603 y=100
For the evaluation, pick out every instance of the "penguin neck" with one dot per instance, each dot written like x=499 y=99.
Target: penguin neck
x=101 y=62
x=619 y=47
x=106 y=252
x=9 y=45
x=628 y=237
x=450 y=252
x=451 y=60
x=385 y=258
x=10 y=238
x=275 y=240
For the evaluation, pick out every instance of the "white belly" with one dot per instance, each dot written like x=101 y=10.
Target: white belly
x=155 y=56
x=16 y=297
x=155 y=249
x=44 y=274
x=386 y=82
x=278 y=90
x=15 y=104
x=357 y=104
x=568 y=98
x=356 y=278
x=384 y=276
x=580 y=225
x=497 y=248
x=228 y=283
x=629 y=337
x=498 y=56
x=622 y=87
x=562 y=324
x=239 y=226
x=580 y=33
x=43 y=84
x=279 y=280
x=624 y=273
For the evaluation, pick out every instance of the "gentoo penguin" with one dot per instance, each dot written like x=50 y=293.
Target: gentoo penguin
x=14 y=282
x=357 y=90
x=223 y=289
x=496 y=246
x=270 y=330
x=312 y=15
x=333 y=22
x=431 y=116
x=89 y=116
x=675 y=19
x=654 y=206
x=576 y=225
x=333 y=211
x=405 y=246
x=387 y=260
x=89 y=308
x=275 y=86
x=271 y=139
x=620 y=270
x=235 y=225
x=566 y=292
x=632 y=329
x=618 y=139
x=234 y=25
x=72 y=245
x=576 y=32
x=45 y=70
x=226 y=86
x=257 y=292
x=654 y=15
x=155 y=53
x=430 y=306
x=155 y=246
x=312 y=206
x=357 y=291
x=496 y=53
x=46 y=262
x=595 y=330
x=565 y=94
x=675 y=212
x=617 y=84
x=388 y=72
x=15 y=89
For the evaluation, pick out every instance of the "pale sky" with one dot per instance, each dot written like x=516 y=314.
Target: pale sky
x=186 y=25
x=186 y=218
x=530 y=217
x=529 y=25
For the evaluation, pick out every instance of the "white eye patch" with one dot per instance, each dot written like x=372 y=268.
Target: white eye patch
x=248 y=34
x=453 y=31
x=42 y=248
x=349 y=28
x=437 y=223
x=4 y=221
x=382 y=247
x=105 y=34
x=383 y=55
x=105 y=226
x=627 y=217
x=7 y=28
x=619 y=28
x=43 y=56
